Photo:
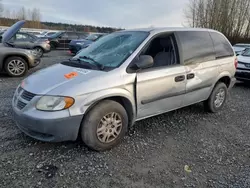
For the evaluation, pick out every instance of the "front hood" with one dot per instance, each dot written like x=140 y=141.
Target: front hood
x=243 y=59
x=55 y=80
x=7 y=35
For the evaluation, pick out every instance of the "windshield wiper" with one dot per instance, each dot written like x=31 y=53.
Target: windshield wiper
x=98 y=65
x=80 y=60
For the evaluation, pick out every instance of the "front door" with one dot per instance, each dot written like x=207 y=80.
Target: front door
x=160 y=90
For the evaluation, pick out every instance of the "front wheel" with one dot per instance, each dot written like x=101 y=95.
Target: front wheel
x=15 y=66
x=104 y=126
x=217 y=98
x=39 y=51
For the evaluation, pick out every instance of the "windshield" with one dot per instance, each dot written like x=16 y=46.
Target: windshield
x=50 y=33
x=246 y=52
x=55 y=34
x=44 y=32
x=92 y=37
x=113 y=49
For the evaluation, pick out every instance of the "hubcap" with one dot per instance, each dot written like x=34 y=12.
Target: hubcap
x=109 y=127
x=39 y=51
x=219 y=99
x=16 y=67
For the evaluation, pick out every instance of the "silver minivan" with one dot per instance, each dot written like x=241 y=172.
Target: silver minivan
x=124 y=77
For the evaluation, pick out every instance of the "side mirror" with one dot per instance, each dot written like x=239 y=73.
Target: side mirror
x=144 y=61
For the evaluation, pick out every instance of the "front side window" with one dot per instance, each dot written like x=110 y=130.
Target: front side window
x=72 y=35
x=113 y=49
x=197 y=46
x=20 y=36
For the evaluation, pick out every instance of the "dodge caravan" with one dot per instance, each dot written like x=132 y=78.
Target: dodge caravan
x=124 y=77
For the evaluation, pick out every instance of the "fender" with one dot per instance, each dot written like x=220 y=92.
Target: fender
x=221 y=75
x=2 y=58
x=85 y=102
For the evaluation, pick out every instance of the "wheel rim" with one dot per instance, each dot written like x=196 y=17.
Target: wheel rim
x=109 y=127
x=39 y=51
x=16 y=67
x=219 y=98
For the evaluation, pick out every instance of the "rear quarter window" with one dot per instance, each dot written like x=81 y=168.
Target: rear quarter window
x=221 y=45
x=196 y=46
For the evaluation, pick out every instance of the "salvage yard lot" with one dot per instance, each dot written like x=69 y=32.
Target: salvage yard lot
x=215 y=146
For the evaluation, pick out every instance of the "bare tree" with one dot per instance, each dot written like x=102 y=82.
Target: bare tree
x=1 y=8
x=22 y=14
x=7 y=13
x=231 y=17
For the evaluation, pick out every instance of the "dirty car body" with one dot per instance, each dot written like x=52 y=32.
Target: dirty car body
x=109 y=69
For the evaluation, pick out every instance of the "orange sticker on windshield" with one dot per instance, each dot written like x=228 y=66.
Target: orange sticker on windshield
x=71 y=75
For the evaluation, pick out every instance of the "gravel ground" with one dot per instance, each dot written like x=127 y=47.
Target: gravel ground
x=215 y=148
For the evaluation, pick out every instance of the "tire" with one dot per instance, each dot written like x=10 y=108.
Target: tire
x=52 y=46
x=39 y=51
x=92 y=122
x=210 y=104
x=11 y=61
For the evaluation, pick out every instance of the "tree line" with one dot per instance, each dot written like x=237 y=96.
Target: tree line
x=231 y=17
x=33 y=16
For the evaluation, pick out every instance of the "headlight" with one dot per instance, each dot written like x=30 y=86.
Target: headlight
x=54 y=103
x=80 y=43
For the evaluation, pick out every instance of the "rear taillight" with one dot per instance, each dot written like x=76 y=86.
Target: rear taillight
x=236 y=62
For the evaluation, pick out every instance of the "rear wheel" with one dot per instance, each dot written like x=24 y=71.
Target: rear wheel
x=39 y=51
x=217 y=98
x=104 y=126
x=15 y=66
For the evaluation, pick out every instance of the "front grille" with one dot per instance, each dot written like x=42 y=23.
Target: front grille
x=27 y=95
x=21 y=105
x=22 y=98
x=19 y=89
x=246 y=64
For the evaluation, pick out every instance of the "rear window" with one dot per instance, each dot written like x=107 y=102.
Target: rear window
x=197 y=46
x=221 y=45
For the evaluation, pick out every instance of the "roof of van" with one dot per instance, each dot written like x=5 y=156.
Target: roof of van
x=166 y=29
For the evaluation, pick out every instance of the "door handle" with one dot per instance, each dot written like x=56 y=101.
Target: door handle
x=190 y=76
x=179 y=78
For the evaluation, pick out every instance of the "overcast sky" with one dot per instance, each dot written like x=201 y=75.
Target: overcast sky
x=114 y=13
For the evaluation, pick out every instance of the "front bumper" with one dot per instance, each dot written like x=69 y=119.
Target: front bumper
x=242 y=75
x=46 y=48
x=74 y=48
x=45 y=126
x=33 y=61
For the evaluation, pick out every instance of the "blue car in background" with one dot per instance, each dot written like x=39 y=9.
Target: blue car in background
x=77 y=45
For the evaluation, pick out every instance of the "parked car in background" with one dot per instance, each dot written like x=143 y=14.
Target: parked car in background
x=240 y=47
x=29 y=41
x=62 y=39
x=243 y=68
x=124 y=77
x=47 y=33
x=76 y=45
x=15 y=61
